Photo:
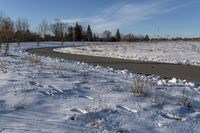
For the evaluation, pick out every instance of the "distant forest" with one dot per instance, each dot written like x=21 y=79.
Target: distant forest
x=19 y=31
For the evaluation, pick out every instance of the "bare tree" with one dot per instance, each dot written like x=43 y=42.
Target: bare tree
x=1 y=26
x=21 y=26
x=106 y=35
x=43 y=29
x=6 y=31
x=58 y=29
x=1 y=22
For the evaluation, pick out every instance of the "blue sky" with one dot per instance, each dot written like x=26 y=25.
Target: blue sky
x=173 y=17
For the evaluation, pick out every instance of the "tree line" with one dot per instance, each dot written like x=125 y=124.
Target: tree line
x=64 y=32
x=19 y=31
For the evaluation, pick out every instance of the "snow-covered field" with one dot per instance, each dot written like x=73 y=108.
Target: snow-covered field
x=168 y=52
x=40 y=94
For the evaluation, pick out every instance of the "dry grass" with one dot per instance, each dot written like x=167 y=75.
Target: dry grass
x=140 y=87
x=58 y=70
x=86 y=76
x=98 y=105
x=34 y=59
x=3 y=66
x=73 y=117
x=186 y=100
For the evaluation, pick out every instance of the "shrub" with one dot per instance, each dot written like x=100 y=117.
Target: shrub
x=186 y=100
x=3 y=66
x=140 y=87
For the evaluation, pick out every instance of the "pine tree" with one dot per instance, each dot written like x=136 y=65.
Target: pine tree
x=118 y=36
x=70 y=35
x=78 y=32
x=89 y=34
x=146 y=38
x=94 y=37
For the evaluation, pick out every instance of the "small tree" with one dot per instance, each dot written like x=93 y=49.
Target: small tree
x=43 y=29
x=6 y=31
x=70 y=34
x=89 y=34
x=146 y=38
x=1 y=24
x=106 y=35
x=95 y=38
x=78 y=32
x=118 y=36
x=22 y=28
x=58 y=29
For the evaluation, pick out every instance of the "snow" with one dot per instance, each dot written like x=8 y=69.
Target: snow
x=173 y=81
x=161 y=82
x=41 y=94
x=180 y=52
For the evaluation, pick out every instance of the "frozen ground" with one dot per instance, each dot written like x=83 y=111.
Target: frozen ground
x=168 y=52
x=40 y=94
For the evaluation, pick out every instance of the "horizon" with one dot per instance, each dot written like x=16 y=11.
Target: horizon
x=168 y=18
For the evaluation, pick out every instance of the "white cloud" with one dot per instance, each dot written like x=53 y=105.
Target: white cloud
x=121 y=14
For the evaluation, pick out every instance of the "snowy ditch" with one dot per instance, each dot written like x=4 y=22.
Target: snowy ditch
x=41 y=94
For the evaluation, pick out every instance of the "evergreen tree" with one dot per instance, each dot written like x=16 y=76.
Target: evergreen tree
x=84 y=35
x=95 y=38
x=89 y=34
x=78 y=32
x=118 y=36
x=146 y=38
x=70 y=35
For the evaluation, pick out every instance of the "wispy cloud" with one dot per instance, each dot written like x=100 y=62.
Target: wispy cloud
x=121 y=14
